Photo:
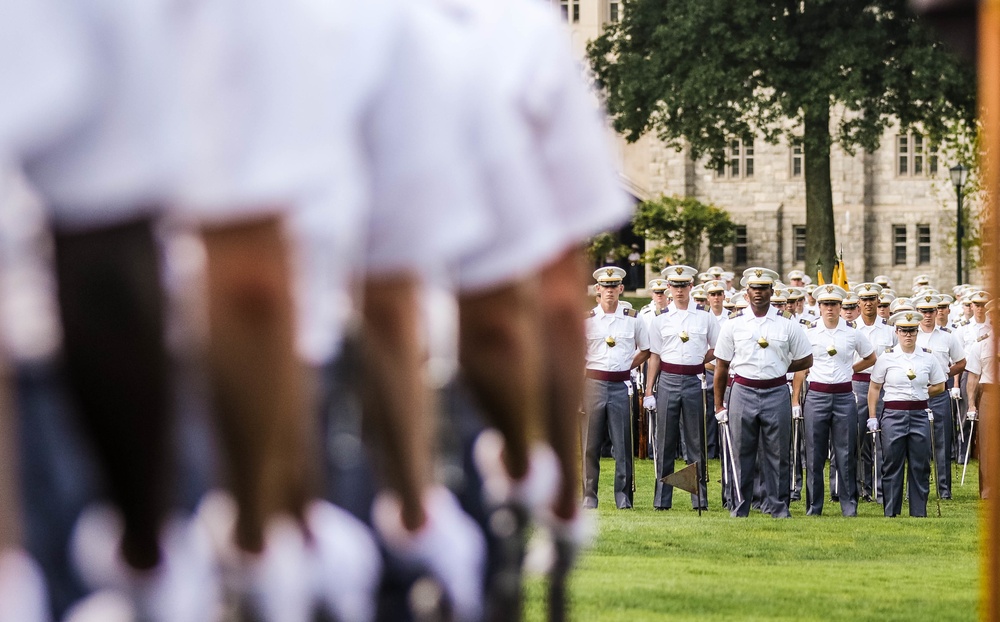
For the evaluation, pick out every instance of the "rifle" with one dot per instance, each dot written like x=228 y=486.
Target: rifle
x=930 y=417
x=643 y=433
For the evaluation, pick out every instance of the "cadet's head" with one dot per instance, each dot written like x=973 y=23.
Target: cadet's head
x=759 y=283
x=906 y=323
x=927 y=305
x=680 y=279
x=658 y=292
x=609 y=284
x=830 y=298
x=868 y=299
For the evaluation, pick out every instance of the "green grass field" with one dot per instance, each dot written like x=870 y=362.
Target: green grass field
x=675 y=565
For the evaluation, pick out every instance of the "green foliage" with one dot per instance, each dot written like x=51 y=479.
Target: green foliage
x=676 y=565
x=681 y=225
x=708 y=71
x=606 y=245
x=700 y=73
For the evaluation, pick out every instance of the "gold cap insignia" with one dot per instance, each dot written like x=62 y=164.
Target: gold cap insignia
x=927 y=298
x=609 y=272
x=909 y=317
x=868 y=288
x=679 y=270
x=759 y=273
x=829 y=289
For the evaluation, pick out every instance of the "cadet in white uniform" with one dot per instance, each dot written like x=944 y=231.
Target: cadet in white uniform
x=616 y=343
x=760 y=346
x=950 y=354
x=909 y=376
x=830 y=410
x=981 y=366
x=881 y=336
x=681 y=341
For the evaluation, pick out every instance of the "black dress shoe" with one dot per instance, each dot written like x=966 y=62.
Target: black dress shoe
x=659 y=509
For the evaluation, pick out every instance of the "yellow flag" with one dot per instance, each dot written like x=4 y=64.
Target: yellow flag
x=835 y=278
x=842 y=274
x=819 y=276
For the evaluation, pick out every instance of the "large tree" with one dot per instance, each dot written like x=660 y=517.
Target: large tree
x=703 y=72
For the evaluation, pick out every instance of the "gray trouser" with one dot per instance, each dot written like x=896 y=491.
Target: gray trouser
x=713 y=439
x=943 y=431
x=680 y=411
x=865 y=444
x=831 y=419
x=606 y=403
x=906 y=438
x=762 y=417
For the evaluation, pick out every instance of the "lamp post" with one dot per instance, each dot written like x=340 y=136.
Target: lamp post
x=958 y=176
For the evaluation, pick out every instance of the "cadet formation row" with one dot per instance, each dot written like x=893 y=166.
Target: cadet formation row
x=881 y=384
x=304 y=221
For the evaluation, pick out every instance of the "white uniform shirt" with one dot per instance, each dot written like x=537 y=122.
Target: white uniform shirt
x=666 y=330
x=981 y=359
x=739 y=344
x=571 y=131
x=944 y=345
x=628 y=333
x=403 y=195
x=893 y=368
x=969 y=332
x=503 y=43
x=880 y=335
x=849 y=345
x=721 y=318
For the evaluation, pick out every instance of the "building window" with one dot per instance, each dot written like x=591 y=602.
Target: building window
x=797 y=160
x=737 y=160
x=613 y=15
x=923 y=244
x=899 y=245
x=799 y=238
x=915 y=156
x=568 y=8
x=740 y=250
x=716 y=255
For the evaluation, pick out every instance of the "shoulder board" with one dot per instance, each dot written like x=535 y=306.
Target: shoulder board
x=925 y=349
x=884 y=323
x=945 y=329
x=699 y=307
x=888 y=349
x=631 y=313
x=734 y=314
x=592 y=313
x=806 y=322
x=964 y=323
x=982 y=337
x=659 y=311
x=787 y=315
x=852 y=323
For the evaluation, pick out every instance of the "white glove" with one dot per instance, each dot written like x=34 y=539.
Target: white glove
x=535 y=491
x=956 y=393
x=796 y=412
x=872 y=424
x=346 y=562
x=573 y=535
x=449 y=544
x=722 y=416
x=972 y=415
x=649 y=402
x=22 y=587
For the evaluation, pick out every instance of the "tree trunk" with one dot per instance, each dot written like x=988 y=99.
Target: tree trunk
x=821 y=241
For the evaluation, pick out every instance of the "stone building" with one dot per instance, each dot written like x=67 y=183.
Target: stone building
x=894 y=208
